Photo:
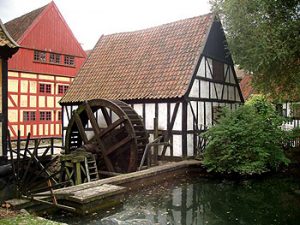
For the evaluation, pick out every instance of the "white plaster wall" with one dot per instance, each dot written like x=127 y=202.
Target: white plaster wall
x=201 y=70
x=225 y=92
x=208 y=113
x=162 y=116
x=232 y=80
x=231 y=93
x=190 y=116
x=195 y=89
x=213 y=94
x=177 y=145
x=139 y=109
x=237 y=96
x=219 y=88
x=209 y=64
x=190 y=145
x=204 y=89
x=65 y=117
x=149 y=114
x=178 y=120
x=100 y=118
x=200 y=113
x=114 y=117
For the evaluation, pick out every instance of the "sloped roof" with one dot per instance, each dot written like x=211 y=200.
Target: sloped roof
x=18 y=26
x=153 y=63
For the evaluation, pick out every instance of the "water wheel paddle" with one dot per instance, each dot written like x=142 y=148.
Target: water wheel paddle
x=112 y=130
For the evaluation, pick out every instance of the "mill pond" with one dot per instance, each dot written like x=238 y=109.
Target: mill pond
x=264 y=201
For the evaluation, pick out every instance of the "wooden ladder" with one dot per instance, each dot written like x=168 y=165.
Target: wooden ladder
x=91 y=168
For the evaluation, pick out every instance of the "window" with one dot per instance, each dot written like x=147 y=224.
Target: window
x=69 y=60
x=62 y=89
x=28 y=116
x=45 y=88
x=54 y=58
x=39 y=56
x=45 y=115
x=59 y=116
x=218 y=71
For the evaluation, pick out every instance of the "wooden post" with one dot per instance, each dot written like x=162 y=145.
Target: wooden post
x=155 y=121
x=36 y=144
x=78 y=173
x=52 y=144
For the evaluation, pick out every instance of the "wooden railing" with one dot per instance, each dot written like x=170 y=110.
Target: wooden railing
x=49 y=144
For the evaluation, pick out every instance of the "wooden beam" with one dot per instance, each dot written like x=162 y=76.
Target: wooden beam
x=80 y=128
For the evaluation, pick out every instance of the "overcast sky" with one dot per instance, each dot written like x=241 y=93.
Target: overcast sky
x=89 y=19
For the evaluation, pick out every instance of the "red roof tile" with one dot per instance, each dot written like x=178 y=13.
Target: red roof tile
x=153 y=63
x=246 y=86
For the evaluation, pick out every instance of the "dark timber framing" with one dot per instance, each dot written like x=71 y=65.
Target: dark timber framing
x=213 y=85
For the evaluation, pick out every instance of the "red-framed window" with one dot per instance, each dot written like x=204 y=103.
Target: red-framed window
x=59 y=116
x=54 y=58
x=29 y=116
x=62 y=89
x=45 y=88
x=45 y=115
x=39 y=56
x=69 y=60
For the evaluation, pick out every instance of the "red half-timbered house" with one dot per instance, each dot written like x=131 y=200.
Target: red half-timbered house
x=40 y=73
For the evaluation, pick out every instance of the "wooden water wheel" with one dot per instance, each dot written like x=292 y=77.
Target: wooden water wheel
x=112 y=130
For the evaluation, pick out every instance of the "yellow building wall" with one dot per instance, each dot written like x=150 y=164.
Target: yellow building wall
x=29 y=98
x=13 y=115
x=12 y=85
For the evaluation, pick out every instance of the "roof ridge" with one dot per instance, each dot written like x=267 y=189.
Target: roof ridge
x=159 y=25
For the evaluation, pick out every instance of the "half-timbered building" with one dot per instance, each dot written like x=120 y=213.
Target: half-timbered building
x=40 y=73
x=8 y=47
x=180 y=73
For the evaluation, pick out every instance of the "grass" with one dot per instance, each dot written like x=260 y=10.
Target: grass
x=26 y=219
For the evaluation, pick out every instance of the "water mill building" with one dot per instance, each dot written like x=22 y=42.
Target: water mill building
x=181 y=73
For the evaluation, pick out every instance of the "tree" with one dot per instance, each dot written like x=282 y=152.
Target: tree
x=264 y=39
x=246 y=141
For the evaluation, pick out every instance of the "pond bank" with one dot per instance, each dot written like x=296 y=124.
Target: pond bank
x=89 y=197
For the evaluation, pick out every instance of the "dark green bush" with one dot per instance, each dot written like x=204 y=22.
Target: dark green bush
x=246 y=141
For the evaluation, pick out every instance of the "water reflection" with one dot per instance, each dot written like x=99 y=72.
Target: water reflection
x=202 y=201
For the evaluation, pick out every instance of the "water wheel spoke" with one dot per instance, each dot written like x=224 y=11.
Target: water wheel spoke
x=118 y=145
x=112 y=126
x=106 y=116
x=92 y=119
x=80 y=128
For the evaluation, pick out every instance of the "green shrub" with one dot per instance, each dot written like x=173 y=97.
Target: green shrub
x=246 y=141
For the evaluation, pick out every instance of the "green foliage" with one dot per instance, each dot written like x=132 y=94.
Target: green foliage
x=246 y=141
x=264 y=39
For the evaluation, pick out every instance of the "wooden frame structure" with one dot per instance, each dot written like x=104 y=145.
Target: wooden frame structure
x=185 y=94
